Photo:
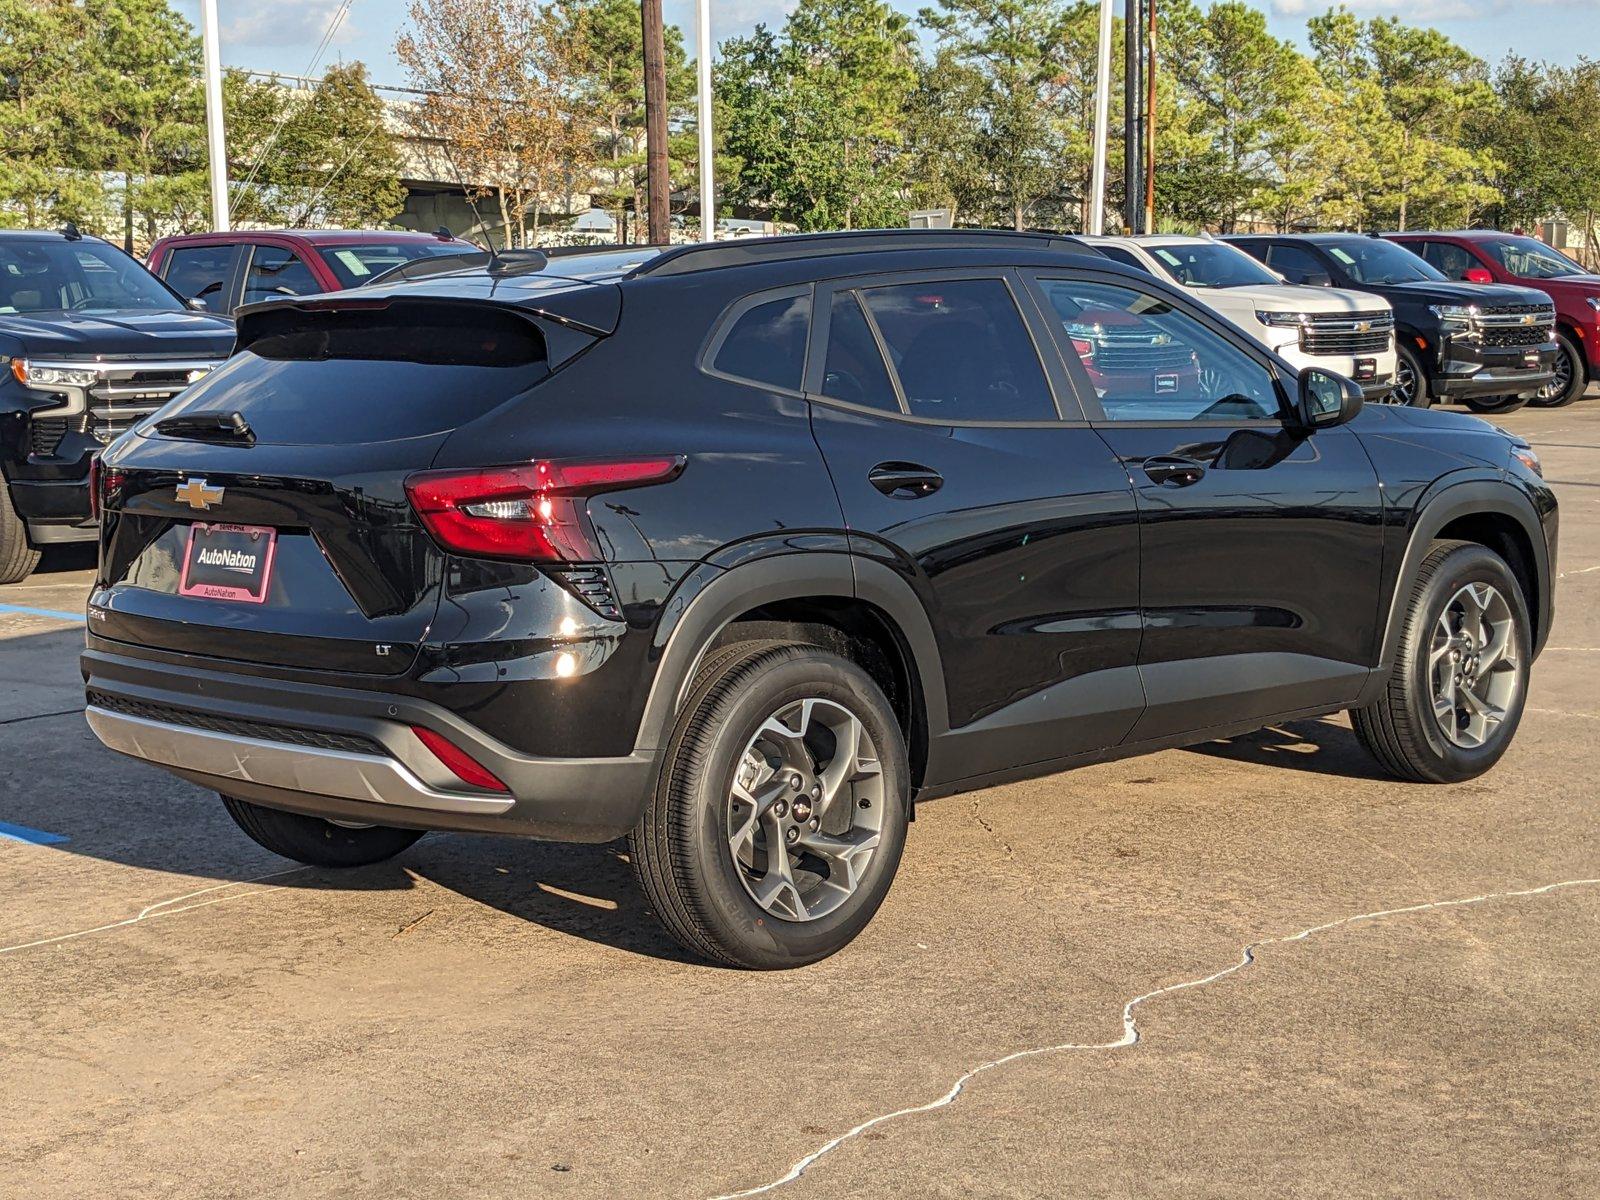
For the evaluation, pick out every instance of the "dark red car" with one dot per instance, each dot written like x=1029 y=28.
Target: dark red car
x=1489 y=256
x=228 y=270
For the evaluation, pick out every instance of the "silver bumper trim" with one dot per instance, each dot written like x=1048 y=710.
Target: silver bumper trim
x=308 y=770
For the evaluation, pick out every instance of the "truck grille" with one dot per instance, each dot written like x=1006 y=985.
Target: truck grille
x=1527 y=335
x=1115 y=350
x=1517 y=324
x=1347 y=333
x=129 y=391
x=44 y=436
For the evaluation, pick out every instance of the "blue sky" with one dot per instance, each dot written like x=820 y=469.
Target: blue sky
x=283 y=35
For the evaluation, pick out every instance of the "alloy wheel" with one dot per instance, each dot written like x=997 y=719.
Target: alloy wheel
x=1561 y=381
x=1472 y=666
x=1404 y=391
x=805 y=810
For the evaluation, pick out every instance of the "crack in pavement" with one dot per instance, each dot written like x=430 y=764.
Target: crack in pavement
x=163 y=909
x=1130 y=1027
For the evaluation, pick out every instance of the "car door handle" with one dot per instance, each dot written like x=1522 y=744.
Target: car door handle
x=1172 y=471
x=905 y=481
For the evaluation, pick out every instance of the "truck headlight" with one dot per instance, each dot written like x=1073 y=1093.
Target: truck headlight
x=1283 y=320
x=1455 y=318
x=35 y=376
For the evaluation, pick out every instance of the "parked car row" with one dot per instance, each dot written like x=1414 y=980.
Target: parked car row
x=94 y=343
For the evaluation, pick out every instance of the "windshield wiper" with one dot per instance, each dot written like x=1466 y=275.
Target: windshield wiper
x=209 y=427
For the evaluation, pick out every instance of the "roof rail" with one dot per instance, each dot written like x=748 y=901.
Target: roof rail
x=709 y=256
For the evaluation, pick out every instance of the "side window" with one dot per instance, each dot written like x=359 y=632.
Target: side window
x=767 y=343
x=1452 y=261
x=1118 y=255
x=854 y=371
x=1148 y=361
x=1295 y=263
x=276 y=272
x=199 y=272
x=961 y=351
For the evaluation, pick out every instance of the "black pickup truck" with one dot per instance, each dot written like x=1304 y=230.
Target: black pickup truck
x=90 y=342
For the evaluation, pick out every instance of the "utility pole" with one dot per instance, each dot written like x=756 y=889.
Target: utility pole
x=1102 y=118
x=708 y=186
x=216 y=135
x=657 y=182
x=1132 y=102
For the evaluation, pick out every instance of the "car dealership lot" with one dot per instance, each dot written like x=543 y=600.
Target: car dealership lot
x=182 y=1013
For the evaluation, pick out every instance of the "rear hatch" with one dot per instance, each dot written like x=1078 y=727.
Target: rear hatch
x=261 y=516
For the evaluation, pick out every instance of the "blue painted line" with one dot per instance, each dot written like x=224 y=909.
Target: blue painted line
x=36 y=837
x=56 y=613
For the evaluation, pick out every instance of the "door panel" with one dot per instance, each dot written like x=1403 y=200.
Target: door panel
x=1020 y=539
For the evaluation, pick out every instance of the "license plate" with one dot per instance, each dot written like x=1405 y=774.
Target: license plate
x=1366 y=369
x=1530 y=359
x=228 y=562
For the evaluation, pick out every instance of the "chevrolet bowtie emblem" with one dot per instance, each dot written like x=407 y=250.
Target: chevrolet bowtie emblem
x=1528 y=319
x=1363 y=326
x=196 y=494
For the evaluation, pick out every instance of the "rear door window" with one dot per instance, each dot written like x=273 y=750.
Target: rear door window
x=961 y=351
x=199 y=272
x=853 y=371
x=766 y=343
x=275 y=272
x=1452 y=261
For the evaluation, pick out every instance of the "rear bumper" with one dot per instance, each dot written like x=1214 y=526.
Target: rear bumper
x=350 y=755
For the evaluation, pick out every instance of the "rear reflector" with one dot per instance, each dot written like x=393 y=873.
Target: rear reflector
x=531 y=512
x=463 y=765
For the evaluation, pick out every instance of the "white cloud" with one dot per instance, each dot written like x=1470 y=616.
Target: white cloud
x=1416 y=11
x=286 y=23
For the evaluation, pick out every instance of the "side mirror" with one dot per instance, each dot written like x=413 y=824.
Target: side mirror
x=197 y=304
x=1478 y=275
x=1326 y=399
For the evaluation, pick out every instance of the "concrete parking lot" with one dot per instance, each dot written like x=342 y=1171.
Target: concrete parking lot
x=181 y=1013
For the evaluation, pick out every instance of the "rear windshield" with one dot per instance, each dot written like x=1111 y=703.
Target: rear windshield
x=338 y=376
x=362 y=263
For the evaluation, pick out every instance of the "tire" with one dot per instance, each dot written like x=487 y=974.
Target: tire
x=1494 y=405
x=1410 y=380
x=316 y=842
x=728 y=771
x=17 y=558
x=1571 y=376
x=1400 y=728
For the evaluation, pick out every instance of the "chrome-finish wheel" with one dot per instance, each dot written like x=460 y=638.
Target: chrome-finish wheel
x=1404 y=391
x=1560 y=382
x=805 y=811
x=1472 y=667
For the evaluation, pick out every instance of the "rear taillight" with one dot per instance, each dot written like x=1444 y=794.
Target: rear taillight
x=533 y=512
x=462 y=765
x=104 y=482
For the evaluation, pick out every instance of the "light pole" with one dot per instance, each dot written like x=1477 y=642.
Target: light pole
x=1102 y=117
x=216 y=134
x=708 y=191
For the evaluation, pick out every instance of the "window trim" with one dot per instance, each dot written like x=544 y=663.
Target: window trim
x=1036 y=277
x=248 y=262
x=1056 y=383
x=723 y=326
x=232 y=277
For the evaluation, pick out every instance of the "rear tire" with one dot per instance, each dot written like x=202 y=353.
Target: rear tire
x=1494 y=405
x=1571 y=377
x=17 y=558
x=742 y=867
x=1460 y=677
x=316 y=842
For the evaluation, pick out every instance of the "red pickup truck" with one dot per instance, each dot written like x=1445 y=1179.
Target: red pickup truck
x=1489 y=256
x=227 y=270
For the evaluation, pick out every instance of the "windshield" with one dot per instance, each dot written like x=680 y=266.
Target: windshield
x=1211 y=265
x=355 y=265
x=39 y=277
x=1529 y=258
x=1372 y=260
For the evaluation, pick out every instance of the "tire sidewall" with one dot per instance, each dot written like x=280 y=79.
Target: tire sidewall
x=767 y=940
x=1466 y=564
x=1579 y=382
x=1423 y=398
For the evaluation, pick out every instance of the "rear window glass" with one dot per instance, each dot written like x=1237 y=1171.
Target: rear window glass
x=361 y=263
x=767 y=343
x=335 y=376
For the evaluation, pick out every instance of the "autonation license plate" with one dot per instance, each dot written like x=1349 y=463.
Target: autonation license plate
x=228 y=562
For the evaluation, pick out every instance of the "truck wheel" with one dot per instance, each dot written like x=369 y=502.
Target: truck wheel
x=1494 y=405
x=1571 y=378
x=17 y=558
x=1410 y=380
x=316 y=842
x=1460 y=675
x=781 y=813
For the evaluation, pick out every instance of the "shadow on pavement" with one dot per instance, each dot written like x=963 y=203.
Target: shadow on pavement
x=1322 y=747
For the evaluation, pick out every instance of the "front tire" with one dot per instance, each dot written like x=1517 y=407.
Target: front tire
x=1494 y=405
x=17 y=558
x=1410 y=380
x=1571 y=378
x=781 y=813
x=1460 y=676
x=316 y=842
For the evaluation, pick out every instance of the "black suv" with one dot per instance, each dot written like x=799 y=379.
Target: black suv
x=1492 y=347
x=739 y=550
x=90 y=342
